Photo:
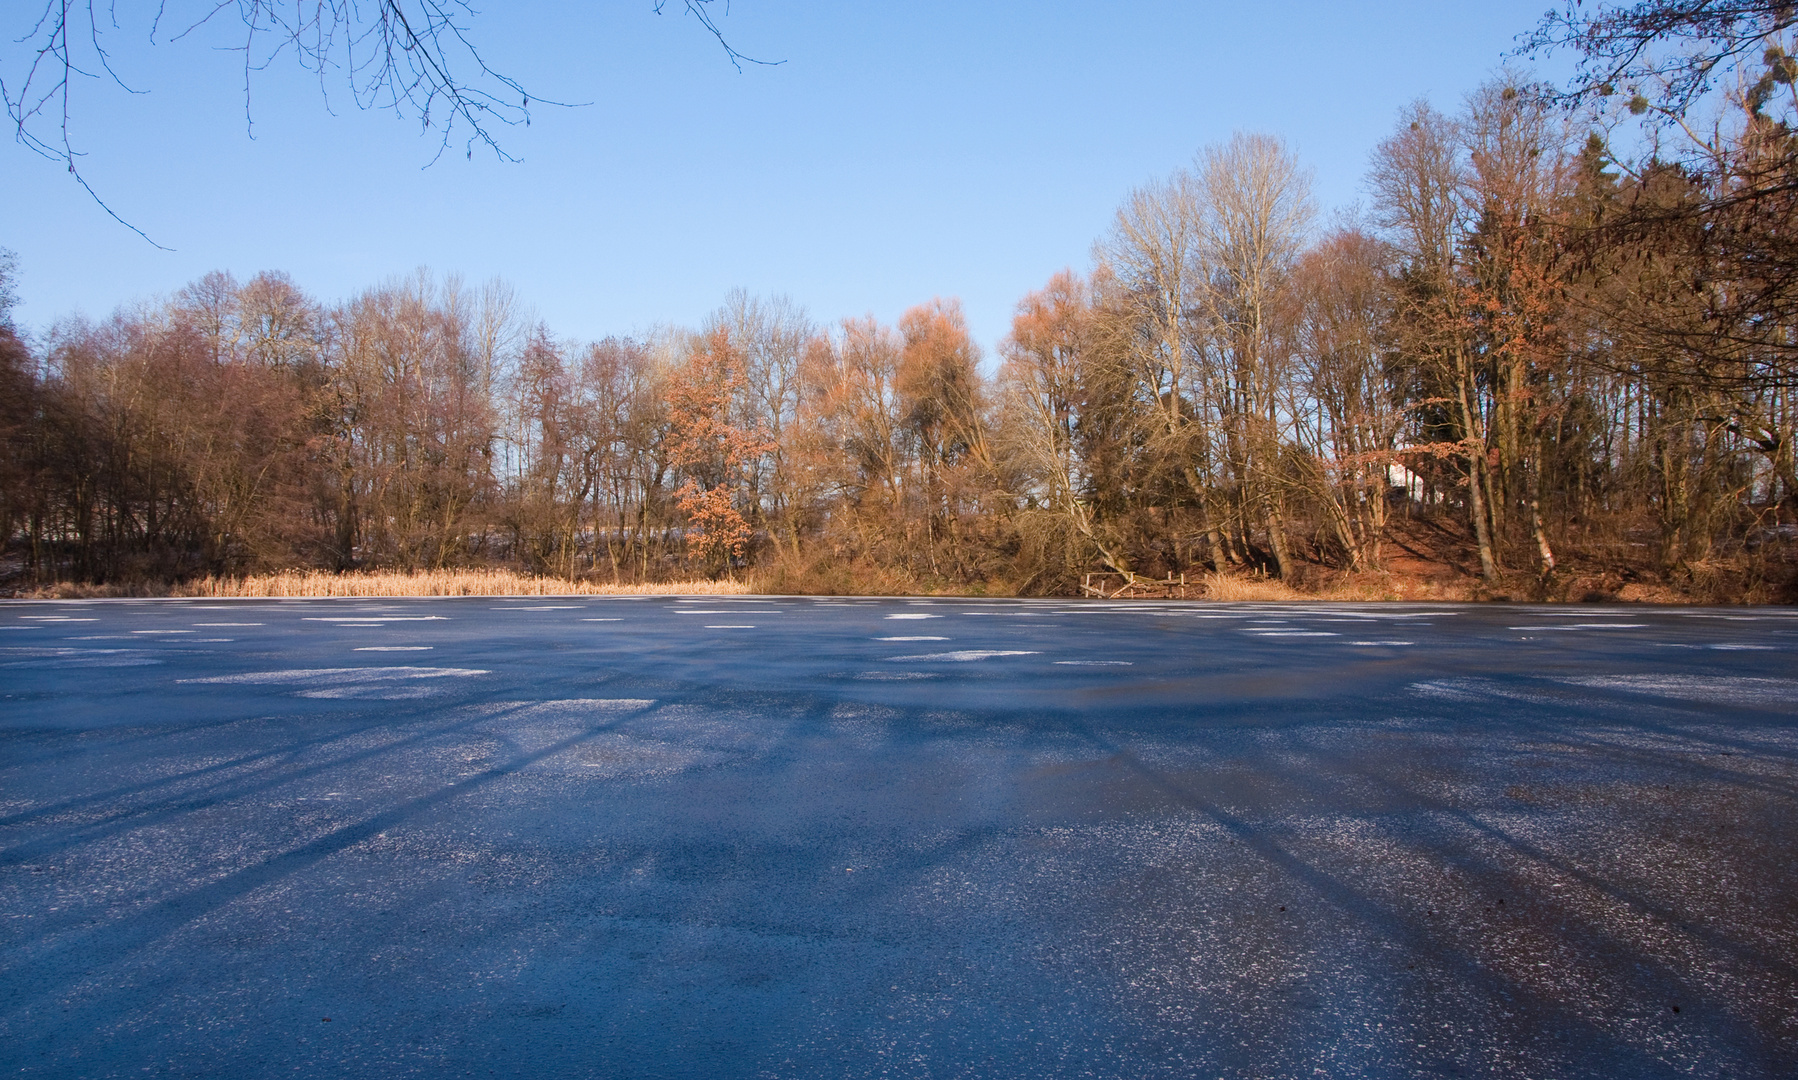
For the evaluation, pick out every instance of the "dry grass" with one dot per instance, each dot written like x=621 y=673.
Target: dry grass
x=1345 y=587
x=439 y=583
x=292 y=583
x=826 y=575
x=1230 y=587
x=831 y=578
x=1366 y=587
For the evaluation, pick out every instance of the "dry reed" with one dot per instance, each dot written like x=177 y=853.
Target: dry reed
x=1372 y=586
x=290 y=583
x=1227 y=587
x=312 y=583
x=820 y=579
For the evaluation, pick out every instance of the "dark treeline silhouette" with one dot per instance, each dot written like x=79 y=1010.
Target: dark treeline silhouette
x=1563 y=369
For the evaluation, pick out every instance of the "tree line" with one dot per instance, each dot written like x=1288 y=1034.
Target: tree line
x=1561 y=355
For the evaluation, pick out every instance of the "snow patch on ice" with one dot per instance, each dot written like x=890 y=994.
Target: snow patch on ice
x=1731 y=690
x=74 y=656
x=964 y=655
x=365 y=683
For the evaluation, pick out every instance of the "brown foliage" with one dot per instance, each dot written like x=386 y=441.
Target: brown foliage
x=715 y=450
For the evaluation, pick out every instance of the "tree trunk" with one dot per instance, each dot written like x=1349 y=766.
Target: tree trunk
x=1476 y=470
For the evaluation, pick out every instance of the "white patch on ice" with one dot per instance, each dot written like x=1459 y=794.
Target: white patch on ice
x=1096 y=663
x=56 y=618
x=1445 y=688
x=895 y=676
x=65 y=656
x=369 y=683
x=340 y=674
x=602 y=620
x=964 y=655
x=1293 y=633
x=162 y=631
x=701 y=611
x=372 y=618
x=1754 y=691
x=1381 y=643
x=382 y=692
x=542 y=607
x=923 y=637
x=1741 y=645
x=1390 y=614
x=1586 y=626
x=916 y=615
x=571 y=708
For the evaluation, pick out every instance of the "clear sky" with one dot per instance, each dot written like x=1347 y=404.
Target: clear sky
x=902 y=151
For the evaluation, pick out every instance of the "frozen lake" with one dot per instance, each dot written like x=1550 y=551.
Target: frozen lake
x=817 y=837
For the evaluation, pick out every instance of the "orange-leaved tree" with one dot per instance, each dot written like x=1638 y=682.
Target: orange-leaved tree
x=715 y=450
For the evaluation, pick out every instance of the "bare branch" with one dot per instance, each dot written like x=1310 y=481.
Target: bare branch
x=415 y=58
x=700 y=10
x=1674 y=50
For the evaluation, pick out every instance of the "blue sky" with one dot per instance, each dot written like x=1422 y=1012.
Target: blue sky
x=901 y=151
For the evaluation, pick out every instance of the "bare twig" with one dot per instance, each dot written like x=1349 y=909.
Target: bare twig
x=415 y=58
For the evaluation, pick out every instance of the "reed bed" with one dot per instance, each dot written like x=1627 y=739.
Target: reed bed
x=476 y=582
x=439 y=583
x=313 y=583
x=1230 y=587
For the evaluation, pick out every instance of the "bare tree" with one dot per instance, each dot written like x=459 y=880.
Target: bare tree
x=1257 y=212
x=20 y=415
x=1151 y=267
x=418 y=421
x=1346 y=419
x=1517 y=180
x=1055 y=389
x=943 y=401
x=1417 y=178
x=772 y=335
